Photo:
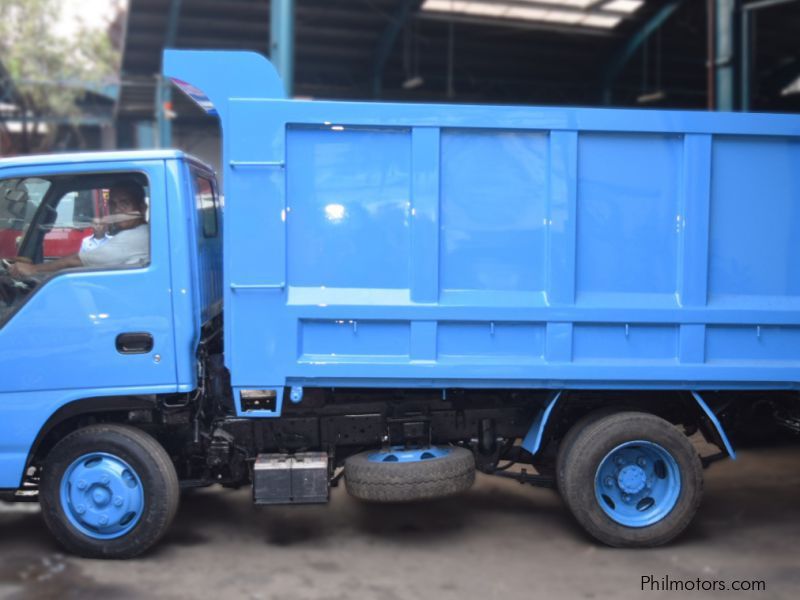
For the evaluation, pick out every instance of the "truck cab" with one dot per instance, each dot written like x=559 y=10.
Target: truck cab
x=110 y=335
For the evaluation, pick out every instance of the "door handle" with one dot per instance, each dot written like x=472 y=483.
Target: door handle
x=134 y=343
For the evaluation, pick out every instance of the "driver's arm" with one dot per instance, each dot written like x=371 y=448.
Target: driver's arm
x=20 y=269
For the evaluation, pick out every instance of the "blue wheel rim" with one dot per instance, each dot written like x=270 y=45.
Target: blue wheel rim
x=638 y=483
x=102 y=496
x=399 y=454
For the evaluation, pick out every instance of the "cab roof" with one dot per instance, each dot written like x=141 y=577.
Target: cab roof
x=90 y=157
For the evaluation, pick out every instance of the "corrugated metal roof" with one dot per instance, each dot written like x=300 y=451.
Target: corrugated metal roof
x=529 y=63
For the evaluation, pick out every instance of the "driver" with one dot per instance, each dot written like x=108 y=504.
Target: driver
x=129 y=246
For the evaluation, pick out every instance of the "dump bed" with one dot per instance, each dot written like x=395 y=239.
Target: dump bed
x=375 y=244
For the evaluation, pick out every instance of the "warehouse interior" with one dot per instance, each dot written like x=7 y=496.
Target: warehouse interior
x=501 y=539
x=650 y=54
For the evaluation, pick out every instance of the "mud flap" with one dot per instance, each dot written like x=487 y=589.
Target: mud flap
x=533 y=439
x=720 y=438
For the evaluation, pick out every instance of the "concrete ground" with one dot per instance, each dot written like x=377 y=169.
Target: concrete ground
x=500 y=540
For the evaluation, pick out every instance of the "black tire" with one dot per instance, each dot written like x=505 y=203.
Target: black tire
x=594 y=442
x=568 y=440
x=151 y=463
x=409 y=481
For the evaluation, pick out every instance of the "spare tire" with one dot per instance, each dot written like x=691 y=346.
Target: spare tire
x=406 y=475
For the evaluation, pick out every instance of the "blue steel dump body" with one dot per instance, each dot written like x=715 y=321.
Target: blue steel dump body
x=407 y=245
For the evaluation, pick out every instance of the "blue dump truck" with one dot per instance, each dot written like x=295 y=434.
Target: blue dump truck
x=402 y=295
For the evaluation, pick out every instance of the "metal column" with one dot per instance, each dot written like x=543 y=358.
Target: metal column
x=745 y=58
x=144 y=135
x=281 y=43
x=724 y=67
x=163 y=97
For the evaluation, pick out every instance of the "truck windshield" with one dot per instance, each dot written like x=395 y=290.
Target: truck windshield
x=19 y=199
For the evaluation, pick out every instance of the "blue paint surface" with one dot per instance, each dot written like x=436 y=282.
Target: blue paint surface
x=638 y=484
x=399 y=454
x=726 y=444
x=102 y=496
x=532 y=442
x=409 y=245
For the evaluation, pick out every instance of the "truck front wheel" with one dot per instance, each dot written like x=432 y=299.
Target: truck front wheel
x=108 y=491
x=631 y=479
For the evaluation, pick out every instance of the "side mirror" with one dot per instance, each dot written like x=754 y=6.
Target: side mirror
x=16 y=200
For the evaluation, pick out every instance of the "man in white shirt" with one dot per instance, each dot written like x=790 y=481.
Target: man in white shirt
x=98 y=238
x=129 y=246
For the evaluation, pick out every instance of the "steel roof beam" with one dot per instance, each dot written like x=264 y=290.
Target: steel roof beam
x=627 y=51
x=544 y=26
x=386 y=42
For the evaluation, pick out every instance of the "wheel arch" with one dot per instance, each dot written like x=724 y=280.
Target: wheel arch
x=564 y=408
x=71 y=415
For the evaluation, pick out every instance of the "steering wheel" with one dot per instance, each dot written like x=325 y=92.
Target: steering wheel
x=12 y=289
x=5 y=266
x=19 y=282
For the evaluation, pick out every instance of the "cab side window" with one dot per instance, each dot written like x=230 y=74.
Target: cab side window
x=205 y=195
x=102 y=218
x=54 y=223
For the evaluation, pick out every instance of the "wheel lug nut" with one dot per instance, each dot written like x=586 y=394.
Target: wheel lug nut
x=117 y=501
x=626 y=498
x=609 y=481
x=641 y=462
x=105 y=480
x=620 y=461
x=103 y=520
x=82 y=485
x=80 y=509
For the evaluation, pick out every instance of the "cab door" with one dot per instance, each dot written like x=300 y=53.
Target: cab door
x=82 y=333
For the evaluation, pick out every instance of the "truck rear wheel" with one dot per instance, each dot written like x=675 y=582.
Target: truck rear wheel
x=400 y=475
x=108 y=491
x=631 y=479
x=569 y=439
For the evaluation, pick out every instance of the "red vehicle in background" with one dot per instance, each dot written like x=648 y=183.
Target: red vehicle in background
x=72 y=223
x=9 y=239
